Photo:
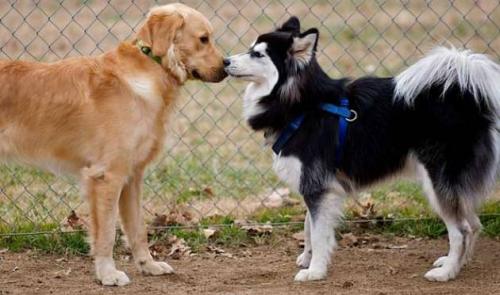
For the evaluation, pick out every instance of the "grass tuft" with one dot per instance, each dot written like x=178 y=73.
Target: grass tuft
x=50 y=241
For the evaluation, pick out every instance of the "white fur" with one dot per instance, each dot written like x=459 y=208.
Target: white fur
x=155 y=268
x=303 y=49
x=260 y=47
x=289 y=170
x=289 y=90
x=323 y=235
x=150 y=100
x=253 y=93
x=262 y=74
x=473 y=72
x=446 y=267
x=107 y=273
x=144 y=87
x=175 y=65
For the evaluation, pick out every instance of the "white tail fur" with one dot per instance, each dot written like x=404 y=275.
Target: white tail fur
x=473 y=72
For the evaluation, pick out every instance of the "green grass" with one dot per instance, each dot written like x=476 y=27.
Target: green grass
x=279 y=215
x=401 y=210
x=51 y=241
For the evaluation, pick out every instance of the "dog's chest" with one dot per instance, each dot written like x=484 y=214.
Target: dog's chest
x=289 y=170
x=149 y=119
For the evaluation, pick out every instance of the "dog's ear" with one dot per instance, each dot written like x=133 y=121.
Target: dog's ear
x=292 y=25
x=304 y=46
x=159 y=32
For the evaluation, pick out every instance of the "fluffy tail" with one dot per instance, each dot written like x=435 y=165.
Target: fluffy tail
x=472 y=72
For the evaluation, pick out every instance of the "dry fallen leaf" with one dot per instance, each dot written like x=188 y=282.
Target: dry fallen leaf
x=349 y=240
x=4 y=250
x=74 y=222
x=160 y=220
x=258 y=229
x=179 y=248
x=208 y=191
x=209 y=233
x=219 y=252
x=278 y=198
x=397 y=247
x=300 y=236
x=367 y=211
x=177 y=216
x=241 y=222
x=62 y=273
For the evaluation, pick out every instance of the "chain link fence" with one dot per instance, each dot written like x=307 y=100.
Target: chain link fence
x=212 y=163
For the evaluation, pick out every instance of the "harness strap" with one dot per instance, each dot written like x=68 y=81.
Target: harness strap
x=287 y=133
x=345 y=116
x=341 y=135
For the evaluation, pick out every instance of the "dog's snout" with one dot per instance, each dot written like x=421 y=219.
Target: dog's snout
x=226 y=62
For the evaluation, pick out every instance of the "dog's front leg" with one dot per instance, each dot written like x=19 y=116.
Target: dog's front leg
x=134 y=228
x=102 y=188
x=325 y=211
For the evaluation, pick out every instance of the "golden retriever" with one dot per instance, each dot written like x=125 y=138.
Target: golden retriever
x=103 y=119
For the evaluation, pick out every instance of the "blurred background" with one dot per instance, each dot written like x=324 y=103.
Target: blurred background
x=213 y=165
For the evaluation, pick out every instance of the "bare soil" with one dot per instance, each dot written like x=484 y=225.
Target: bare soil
x=268 y=269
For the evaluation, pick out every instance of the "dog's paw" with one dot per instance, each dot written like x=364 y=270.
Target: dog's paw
x=114 y=278
x=440 y=261
x=304 y=259
x=441 y=274
x=155 y=268
x=309 y=275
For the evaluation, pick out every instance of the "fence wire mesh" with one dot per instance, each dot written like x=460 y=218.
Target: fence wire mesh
x=212 y=163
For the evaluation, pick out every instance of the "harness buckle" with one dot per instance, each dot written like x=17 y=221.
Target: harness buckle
x=354 y=116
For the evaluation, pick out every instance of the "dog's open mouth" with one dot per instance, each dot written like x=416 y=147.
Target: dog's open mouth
x=229 y=71
x=238 y=75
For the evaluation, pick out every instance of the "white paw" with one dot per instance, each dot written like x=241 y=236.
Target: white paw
x=441 y=274
x=309 y=275
x=155 y=268
x=304 y=259
x=440 y=261
x=114 y=278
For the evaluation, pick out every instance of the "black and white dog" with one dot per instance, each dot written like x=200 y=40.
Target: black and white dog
x=437 y=121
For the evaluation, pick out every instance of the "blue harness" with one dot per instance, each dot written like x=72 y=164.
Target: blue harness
x=345 y=116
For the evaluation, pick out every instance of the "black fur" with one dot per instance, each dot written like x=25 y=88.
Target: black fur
x=450 y=135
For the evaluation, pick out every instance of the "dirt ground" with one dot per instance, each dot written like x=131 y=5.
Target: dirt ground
x=264 y=270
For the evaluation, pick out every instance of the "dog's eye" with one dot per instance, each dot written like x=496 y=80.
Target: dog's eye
x=204 y=39
x=256 y=54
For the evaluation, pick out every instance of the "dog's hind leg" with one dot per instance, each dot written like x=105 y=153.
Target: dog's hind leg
x=304 y=259
x=102 y=188
x=134 y=228
x=325 y=211
x=475 y=227
x=459 y=232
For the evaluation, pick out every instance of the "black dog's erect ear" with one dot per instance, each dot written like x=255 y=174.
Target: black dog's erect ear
x=304 y=46
x=292 y=25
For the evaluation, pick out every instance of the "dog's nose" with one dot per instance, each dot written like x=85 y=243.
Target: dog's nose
x=227 y=62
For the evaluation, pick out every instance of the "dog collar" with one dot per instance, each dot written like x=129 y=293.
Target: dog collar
x=345 y=115
x=147 y=51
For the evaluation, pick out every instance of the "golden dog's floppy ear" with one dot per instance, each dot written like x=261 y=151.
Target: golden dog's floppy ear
x=159 y=32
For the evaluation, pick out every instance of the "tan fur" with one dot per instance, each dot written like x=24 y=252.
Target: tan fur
x=103 y=120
